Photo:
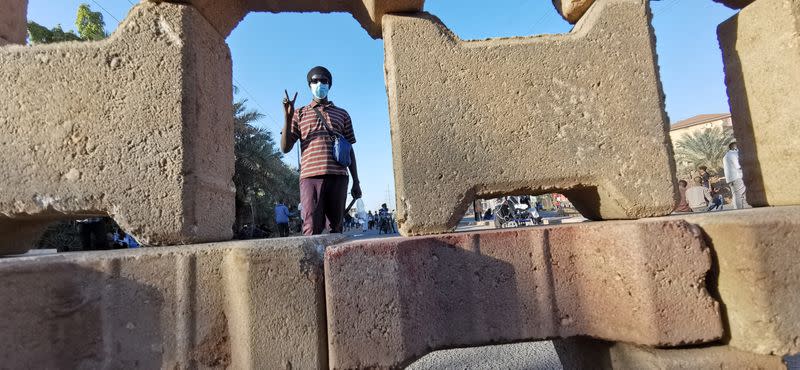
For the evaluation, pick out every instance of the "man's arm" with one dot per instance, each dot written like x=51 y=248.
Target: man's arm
x=287 y=138
x=356 y=190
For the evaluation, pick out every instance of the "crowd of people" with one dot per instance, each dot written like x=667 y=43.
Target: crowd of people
x=99 y=233
x=381 y=220
x=704 y=192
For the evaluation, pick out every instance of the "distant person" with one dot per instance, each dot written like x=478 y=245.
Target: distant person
x=488 y=215
x=93 y=233
x=124 y=240
x=370 y=220
x=716 y=195
x=683 y=205
x=697 y=195
x=705 y=176
x=282 y=219
x=733 y=176
x=323 y=180
x=300 y=211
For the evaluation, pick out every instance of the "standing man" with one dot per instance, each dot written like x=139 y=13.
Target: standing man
x=282 y=218
x=733 y=176
x=323 y=181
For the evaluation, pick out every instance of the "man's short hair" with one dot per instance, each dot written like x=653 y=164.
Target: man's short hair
x=704 y=168
x=698 y=179
x=683 y=182
x=319 y=70
x=732 y=144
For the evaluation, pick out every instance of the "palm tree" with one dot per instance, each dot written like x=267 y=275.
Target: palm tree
x=703 y=148
x=260 y=176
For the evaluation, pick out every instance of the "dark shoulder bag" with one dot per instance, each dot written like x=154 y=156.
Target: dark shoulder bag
x=341 y=147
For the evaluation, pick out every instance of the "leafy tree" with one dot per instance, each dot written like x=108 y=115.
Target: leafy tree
x=90 y=28
x=90 y=24
x=38 y=34
x=261 y=177
x=703 y=148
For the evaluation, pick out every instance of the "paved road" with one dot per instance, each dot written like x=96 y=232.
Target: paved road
x=518 y=356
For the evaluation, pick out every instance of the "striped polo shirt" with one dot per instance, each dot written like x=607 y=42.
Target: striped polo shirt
x=315 y=142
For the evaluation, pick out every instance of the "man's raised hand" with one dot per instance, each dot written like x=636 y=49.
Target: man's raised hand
x=288 y=104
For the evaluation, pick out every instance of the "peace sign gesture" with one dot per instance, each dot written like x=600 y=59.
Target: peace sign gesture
x=288 y=104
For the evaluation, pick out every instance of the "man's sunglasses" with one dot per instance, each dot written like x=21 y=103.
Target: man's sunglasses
x=320 y=80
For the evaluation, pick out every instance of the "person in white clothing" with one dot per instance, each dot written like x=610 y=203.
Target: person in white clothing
x=733 y=176
x=698 y=195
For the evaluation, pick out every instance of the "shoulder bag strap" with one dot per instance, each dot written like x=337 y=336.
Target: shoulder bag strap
x=324 y=121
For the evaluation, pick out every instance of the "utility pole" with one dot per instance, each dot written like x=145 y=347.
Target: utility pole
x=388 y=199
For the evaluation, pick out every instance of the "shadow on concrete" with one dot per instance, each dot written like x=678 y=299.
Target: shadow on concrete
x=740 y=111
x=62 y=315
x=460 y=292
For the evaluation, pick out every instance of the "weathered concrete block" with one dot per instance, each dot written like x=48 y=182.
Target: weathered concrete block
x=735 y=4
x=226 y=14
x=761 y=50
x=585 y=353
x=756 y=251
x=243 y=305
x=572 y=10
x=392 y=300
x=13 y=21
x=505 y=116
x=138 y=127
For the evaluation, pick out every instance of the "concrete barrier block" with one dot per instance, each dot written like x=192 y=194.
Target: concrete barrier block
x=579 y=114
x=226 y=14
x=138 y=127
x=572 y=10
x=13 y=22
x=586 y=353
x=392 y=300
x=252 y=304
x=758 y=277
x=761 y=50
x=735 y=4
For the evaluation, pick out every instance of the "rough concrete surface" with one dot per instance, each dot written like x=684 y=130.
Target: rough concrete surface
x=585 y=353
x=465 y=114
x=138 y=127
x=392 y=300
x=758 y=279
x=13 y=21
x=243 y=305
x=761 y=51
x=518 y=356
x=226 y=14
x=735 y=4
x=572 y=10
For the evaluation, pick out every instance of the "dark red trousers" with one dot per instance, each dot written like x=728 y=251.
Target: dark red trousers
x=323 y=197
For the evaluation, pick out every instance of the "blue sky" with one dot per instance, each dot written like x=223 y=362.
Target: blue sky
x=273 y=52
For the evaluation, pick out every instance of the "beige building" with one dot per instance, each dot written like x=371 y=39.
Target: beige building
x=699 y=123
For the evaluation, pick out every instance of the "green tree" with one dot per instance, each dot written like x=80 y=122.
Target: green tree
x=260 y=176
x=90 y=28
x=703 y=148
x=38 y=34
x=90 y=24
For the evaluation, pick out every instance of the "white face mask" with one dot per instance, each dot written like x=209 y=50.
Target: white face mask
x=319 y=90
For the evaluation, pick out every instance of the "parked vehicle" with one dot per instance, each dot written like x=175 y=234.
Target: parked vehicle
x=512 y=213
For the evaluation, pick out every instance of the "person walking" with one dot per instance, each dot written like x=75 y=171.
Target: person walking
x=698 y=196
x=733 y=176
x=282 y=218
x=323 y=179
